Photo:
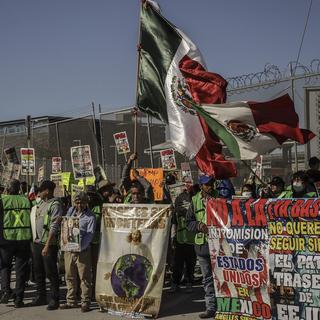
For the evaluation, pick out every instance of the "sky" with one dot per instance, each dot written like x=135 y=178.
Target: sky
x=58 y=56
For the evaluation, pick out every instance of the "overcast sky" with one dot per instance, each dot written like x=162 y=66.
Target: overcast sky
x=57 y=56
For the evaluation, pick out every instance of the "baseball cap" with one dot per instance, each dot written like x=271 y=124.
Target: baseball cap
x=105 y=183
x=82 y=196
x=204 y=179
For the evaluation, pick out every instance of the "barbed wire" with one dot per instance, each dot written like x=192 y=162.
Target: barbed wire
x=272 y=75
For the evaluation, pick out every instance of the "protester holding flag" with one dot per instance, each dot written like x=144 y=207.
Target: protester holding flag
x=196 y=222
x=274 y=189
x=79 y=263
x=45 y=230
x=14 y=241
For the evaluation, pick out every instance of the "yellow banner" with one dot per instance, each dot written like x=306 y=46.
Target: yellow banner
x=155 y=177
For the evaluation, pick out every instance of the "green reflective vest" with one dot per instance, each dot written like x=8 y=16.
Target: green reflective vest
x=127 y=199
x=97 y=212
x=201 y=216
x=46 y=224
x=16 y=218
x=289 y=194
x=183 y=235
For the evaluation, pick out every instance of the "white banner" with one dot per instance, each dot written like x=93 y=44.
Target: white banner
x=132 y=258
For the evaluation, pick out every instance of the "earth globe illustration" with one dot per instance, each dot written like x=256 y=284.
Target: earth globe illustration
x=131 y=275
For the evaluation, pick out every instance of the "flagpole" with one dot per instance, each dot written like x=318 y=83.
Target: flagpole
x=249 y=167
x=137 y=84
x=150 y=141
x=292 y=96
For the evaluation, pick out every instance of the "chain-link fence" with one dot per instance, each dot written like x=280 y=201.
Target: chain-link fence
x=54 y=136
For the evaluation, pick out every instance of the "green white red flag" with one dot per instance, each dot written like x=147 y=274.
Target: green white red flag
x=169 y=64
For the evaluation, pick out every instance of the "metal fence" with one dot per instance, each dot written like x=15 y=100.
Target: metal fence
x=54 y=136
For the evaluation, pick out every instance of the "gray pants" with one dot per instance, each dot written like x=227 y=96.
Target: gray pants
x=207 y=281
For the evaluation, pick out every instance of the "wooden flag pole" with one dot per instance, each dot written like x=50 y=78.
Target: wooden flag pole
x=249 y=167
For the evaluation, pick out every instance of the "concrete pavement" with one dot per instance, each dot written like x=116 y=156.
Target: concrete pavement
x=179 y=305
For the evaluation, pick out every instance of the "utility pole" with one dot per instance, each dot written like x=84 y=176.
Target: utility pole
x=95 y=133
x=101 y=138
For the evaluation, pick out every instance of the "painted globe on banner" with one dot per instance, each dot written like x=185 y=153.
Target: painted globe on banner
x=130 y=276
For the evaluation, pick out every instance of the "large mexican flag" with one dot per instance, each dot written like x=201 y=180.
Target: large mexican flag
x=171 y=77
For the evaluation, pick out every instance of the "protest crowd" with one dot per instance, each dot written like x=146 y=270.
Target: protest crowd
x=256 y=248
x=30 y=232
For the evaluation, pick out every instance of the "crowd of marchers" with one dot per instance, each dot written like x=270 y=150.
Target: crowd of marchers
x=29 y=238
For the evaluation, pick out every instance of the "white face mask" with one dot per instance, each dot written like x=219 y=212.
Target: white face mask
x=247 y=194
x=298 y=186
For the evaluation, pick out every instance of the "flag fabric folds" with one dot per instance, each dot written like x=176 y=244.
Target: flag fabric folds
x=171 y=79
x=250 y=129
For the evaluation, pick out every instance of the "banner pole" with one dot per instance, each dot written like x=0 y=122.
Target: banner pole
x=137 y=84
x=296 y=164
x=249 y=167
x=150 y=141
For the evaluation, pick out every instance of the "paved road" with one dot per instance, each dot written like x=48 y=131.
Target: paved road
x=179 y=305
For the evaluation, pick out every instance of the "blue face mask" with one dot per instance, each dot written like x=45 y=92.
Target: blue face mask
x=224 y=193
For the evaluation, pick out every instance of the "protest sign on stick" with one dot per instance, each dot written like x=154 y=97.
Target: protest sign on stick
x=10 y=171
x=41 y=174
x=186 y=175
x=58 y=180
x=56 y=164
x=122 y=143
x=81 y=162
x=11 y=155
x=168 y=159
x=27 y=161
x=175 y=190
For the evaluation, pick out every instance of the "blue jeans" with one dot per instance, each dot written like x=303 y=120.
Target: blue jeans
x=207 y=281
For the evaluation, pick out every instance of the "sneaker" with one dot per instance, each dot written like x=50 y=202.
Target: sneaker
x=85 y=308
x=18 y=303
x=53 y=305
x=5 y=298
x=68 y=306
x=174 y=287
x=208 y=314
x=37 y=302
x=189 y=287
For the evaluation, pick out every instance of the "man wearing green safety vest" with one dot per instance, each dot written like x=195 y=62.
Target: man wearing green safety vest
x=196 y=222
x=45 y=230
x=182 y=243
x=14 y=241
x=300 y=187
